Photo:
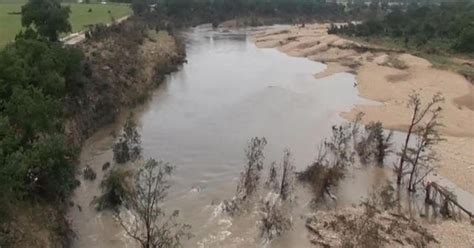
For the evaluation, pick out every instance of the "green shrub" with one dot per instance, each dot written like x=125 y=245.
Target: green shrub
x=114 y=187
x=466 y=40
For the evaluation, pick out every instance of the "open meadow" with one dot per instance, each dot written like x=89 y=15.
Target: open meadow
x=81 y=15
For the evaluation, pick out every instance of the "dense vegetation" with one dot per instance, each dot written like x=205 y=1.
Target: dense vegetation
x=448 y=26
x=36 y=74
x=191 y=12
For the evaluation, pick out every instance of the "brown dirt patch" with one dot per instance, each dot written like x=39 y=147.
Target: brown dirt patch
x=466 y=101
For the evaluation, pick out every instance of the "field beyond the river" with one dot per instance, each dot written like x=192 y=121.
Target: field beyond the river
x=10 y=17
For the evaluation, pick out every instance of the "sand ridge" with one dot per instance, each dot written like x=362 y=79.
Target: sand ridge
x=380 y=79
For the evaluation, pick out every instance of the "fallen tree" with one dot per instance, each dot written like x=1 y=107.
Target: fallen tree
x=438 y=195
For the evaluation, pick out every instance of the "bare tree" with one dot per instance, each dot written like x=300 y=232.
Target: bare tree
x=287 y=178
x=422 y=154
x=272 y=180
x=151 y=227
x=250 y=178
x=419 y=113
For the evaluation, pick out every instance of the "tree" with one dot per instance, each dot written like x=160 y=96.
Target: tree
x=250 y=178
x=465 y=41
x=375 y=145
x=276 y=218
x=140 y=7
x=114 y=187
x=48 y=167
x=272 y=179
x=128 y=147
x=48 y=18
x=334 y=156
x=419 y=113
x=287 y=178
x=422 y=154
x=151 y=227
x=276 y=207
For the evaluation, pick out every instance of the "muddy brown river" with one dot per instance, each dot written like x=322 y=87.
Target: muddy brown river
x=200 y=120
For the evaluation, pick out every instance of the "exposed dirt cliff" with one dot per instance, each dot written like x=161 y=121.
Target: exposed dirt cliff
x=124 y=63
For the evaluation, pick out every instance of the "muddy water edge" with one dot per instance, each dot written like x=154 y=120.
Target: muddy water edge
x=200 y=120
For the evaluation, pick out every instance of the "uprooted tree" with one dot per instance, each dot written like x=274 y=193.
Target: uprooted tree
x=428 y=136
x=151 y=227
x=437 y=195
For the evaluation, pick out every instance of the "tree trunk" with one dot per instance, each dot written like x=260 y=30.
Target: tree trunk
x=402 y=159
x=428 y=194
x=405 y=147
x=411 y=186
x=447 y=198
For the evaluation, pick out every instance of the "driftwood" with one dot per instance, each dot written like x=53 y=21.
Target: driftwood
x=432 y=189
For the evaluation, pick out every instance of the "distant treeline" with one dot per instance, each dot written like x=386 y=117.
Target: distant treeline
x=220 y=10
x=449 y=25
x=379 y=11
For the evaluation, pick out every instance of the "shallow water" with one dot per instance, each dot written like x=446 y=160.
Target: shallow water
x=200 y=120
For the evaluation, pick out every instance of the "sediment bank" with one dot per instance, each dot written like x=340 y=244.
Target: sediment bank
x=388 y=77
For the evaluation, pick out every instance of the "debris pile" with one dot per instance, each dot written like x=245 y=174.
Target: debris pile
x=359 y=227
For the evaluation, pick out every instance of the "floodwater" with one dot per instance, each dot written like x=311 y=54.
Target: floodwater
x=200 y=120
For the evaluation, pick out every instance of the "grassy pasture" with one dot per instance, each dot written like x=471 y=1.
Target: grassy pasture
x=10 y=19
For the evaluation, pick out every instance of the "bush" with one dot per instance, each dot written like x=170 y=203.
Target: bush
x=89 y=173
x=128 y=147
x=114 y=187
x=466 y=40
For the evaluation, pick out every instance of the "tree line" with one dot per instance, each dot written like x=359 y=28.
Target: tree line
x=37 y=74
x=447 y=26
x=215 y=11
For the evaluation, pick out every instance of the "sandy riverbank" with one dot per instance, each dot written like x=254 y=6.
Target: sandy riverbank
x=382 y=80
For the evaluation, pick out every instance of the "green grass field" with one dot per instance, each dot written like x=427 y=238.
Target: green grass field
x=10 y=24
